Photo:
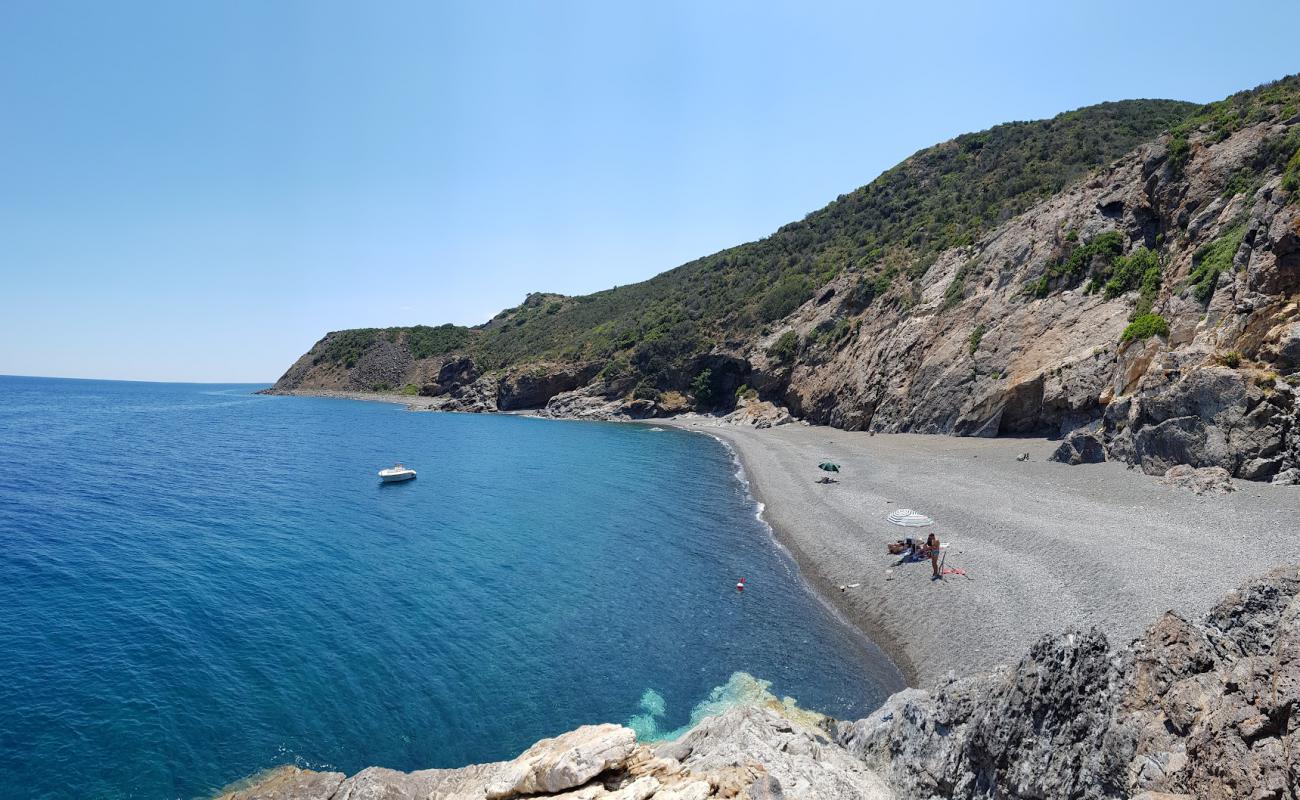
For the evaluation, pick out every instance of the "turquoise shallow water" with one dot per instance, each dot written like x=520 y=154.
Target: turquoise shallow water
x=197 y=583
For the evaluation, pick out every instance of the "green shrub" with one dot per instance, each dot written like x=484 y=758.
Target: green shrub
x=837 y=333
x=645 y=390
x=1212 y=259
x=346 y=347
x=1291 y=175
x=1243 y=181
x=1179 y=152
x=955 y=291
x=785 y=348
x=410 y=389
x=975 y=337
x=868 y=289
x=706 y=393
x=1145 y=326
x=426 y=341
x=788 y=294
x=1231 y=359
x=1071 y=269
x=1139 y=270
x=746 y=393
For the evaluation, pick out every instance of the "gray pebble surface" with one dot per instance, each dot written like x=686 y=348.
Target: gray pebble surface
x=1045 y=546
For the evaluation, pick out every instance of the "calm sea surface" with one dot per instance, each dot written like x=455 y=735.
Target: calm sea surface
x=197 y=583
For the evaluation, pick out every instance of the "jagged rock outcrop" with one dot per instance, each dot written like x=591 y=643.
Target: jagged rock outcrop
x=1080 y=447
x=774 y=756
x=1200 y=710
x=759 y=750
x=599 y=401
x=757 y=413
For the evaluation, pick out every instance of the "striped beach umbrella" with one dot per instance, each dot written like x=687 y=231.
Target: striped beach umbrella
x=908 y=518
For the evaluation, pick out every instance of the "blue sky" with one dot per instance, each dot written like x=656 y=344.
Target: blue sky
x=199 y=190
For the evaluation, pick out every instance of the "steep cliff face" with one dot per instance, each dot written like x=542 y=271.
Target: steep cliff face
x=1188 y=710
x=1150 y=310
x=1038 y=327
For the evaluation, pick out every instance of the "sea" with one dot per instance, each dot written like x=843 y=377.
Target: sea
x=198 y=583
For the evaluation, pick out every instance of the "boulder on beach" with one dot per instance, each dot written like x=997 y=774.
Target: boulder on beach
x=1080 y=447
x=1202 y=480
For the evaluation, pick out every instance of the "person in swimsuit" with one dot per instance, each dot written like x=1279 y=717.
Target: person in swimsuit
x=932 y=544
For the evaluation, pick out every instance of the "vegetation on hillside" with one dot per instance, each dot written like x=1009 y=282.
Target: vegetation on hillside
x=1212 y=259
x=1144 y=326
x=1095 y=257
x=1222 y=118
x=889 y=232
x=423 y=341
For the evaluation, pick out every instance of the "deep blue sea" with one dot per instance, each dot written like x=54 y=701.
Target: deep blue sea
x=198 y=583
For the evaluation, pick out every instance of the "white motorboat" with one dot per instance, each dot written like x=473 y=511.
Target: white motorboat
x=396 y=473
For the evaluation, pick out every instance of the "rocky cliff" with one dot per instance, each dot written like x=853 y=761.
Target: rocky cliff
x=1153 y=304
x=1148 y=311
x=1188 y=710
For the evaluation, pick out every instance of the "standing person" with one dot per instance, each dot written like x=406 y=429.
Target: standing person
x=932 y=544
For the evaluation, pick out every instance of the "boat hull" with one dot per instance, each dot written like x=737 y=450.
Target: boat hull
x=396 y=477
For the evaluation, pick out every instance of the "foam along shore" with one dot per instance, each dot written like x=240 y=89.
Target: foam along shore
x=1045 y=546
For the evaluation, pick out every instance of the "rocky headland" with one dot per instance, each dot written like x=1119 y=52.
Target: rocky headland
x=1189 y=709
x=1137 y=296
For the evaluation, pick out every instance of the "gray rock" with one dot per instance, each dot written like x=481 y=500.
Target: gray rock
x=1079 y=447
x=570 y=760
x=758 y=414
x=1287 y=477
x=1288 y=346
x=788 y=758
x=1041 y=729
x=534 y=386
x=1200 y=710
x=1203 y=480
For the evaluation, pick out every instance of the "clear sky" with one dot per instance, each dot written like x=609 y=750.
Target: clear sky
x=200 y=190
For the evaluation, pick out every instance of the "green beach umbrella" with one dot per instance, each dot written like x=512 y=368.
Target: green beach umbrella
x=829 y=466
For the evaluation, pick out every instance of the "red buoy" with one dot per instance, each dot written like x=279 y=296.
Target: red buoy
x=740 y=586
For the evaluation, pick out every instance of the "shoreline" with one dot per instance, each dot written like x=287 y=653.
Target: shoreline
x=1047 y=547
x=807 y=568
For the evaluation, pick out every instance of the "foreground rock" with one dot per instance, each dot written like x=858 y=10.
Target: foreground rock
x=1188 y=710
x=768 y=750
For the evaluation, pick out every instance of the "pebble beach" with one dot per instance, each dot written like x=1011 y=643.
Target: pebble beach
x=1045 y=546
